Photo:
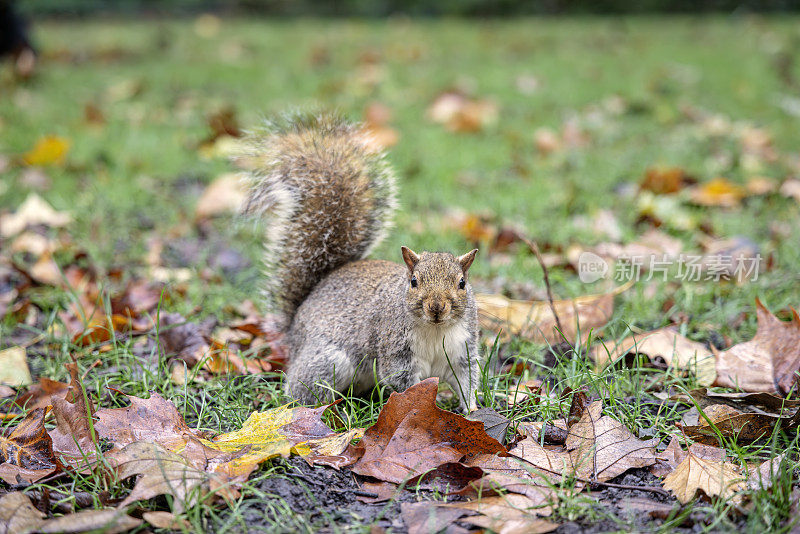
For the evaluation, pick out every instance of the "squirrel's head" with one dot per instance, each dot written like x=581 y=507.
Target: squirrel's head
x=438 y=290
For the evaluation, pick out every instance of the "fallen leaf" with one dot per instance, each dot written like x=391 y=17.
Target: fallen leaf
x=642 y=505
x=703 y=397
x=161 y=472
x=166 y=520
x=475 y=228
x=278 y=432
x=224 y=195
x=494 y=424
x=154 y=420
x=791 y=189
x=73 y=437
x=19 y=516
x=48 y=150
x=717 y=192
x=14 y=367
x=664 y=181
x=45 y=271
x=761 y=185
x=41 y=394
x=32 y=212
x=426 y=517
x=765 y=474
x=534 y=320
x=730 y=423
x=497 y=483
x=412 y=436
x=601 y=448
x=678 y=351
x=34 y=243
x=711 y=477
x=380 y=135
x=507 y=514
x=547 y=141
x=27 y=452
x=597 y=448
x=93 y=115
x=460 y=113
x=769 y=362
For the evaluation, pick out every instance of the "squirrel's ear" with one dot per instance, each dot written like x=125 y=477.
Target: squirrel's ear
x=410 y=257
x=466 y=260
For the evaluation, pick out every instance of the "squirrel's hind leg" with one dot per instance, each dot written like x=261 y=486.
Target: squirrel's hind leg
x=316 y=374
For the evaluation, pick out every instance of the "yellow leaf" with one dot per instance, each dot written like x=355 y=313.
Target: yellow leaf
x=279 y=432
x=718 y=192
x=48 y=150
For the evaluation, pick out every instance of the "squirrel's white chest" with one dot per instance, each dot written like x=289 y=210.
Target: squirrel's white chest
x=433 y=345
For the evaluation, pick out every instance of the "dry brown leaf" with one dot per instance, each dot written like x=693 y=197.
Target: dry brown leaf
x=412 y=435
x=664 y=181
x=154 y=420
x=640 y=505
x=426 y=517
x=27 y=452
x=497 y=483
x=678 y=351
x=711 y=477
x=161 y=472
x=730 y=423
x=534 y=320
x=460 y=113
x=761 y=185
x=224 y=195
x=73 y=437
x=769 y=362
x=601 y=448
x=547 y=141
x=507 y=514
x=791 y=189
x=763 y=476
x=597 y=448
x=19 y=516
x=717 y=192
x=34 y=211
x=41 y=394
x=35 y=244
x=703 y=397
x=166 y=520
x=380 y=135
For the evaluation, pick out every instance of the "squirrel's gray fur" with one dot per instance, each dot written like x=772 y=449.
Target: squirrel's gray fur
x=328 y=198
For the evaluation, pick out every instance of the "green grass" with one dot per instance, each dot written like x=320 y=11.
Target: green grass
x=140 y=175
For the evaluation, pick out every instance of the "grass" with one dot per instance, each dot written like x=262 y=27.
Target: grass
x=140 y=174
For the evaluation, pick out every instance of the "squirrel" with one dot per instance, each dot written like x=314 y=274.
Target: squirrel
x=328 y=197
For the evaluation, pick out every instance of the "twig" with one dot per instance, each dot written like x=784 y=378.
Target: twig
x=653 y=489
x=535 y=248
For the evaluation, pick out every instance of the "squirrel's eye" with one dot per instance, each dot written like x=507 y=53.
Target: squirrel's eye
x=413 y=281
x=462 y=284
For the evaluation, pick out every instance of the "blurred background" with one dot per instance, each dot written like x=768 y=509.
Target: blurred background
x=655 y=127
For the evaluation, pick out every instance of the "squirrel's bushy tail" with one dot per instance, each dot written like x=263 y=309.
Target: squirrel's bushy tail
x=327 y=198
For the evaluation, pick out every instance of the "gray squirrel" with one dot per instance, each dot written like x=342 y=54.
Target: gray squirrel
x=328 y=198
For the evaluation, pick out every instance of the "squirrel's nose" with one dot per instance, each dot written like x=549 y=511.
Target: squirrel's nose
x=436 y=307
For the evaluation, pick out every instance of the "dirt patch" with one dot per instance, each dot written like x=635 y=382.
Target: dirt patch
x=313 y=498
